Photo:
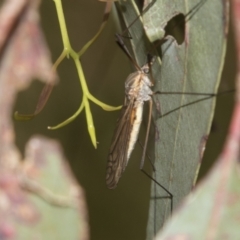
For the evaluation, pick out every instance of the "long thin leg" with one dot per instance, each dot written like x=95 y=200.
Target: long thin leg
x=147 y=134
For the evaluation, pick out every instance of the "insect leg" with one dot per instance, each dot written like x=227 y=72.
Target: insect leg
x=147 y=134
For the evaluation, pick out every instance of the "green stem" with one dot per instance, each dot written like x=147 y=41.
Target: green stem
x=68 y=51
x=62 y=23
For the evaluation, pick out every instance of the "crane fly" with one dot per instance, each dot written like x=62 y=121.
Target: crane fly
x=137 y=91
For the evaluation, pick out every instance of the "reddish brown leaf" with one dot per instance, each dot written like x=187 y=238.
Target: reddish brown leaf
x=25 y=56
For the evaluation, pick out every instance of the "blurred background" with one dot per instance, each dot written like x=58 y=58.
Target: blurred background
x=113 y=214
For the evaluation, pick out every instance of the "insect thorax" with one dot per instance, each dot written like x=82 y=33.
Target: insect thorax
x=138 y=86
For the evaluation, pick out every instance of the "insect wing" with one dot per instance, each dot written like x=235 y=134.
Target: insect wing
x=117 y=158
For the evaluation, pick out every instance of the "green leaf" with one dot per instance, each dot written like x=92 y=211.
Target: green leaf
x=193 y=67
x=56 y=204
x=212 y=211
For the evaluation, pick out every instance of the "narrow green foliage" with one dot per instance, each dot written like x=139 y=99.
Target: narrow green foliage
x=69 y=52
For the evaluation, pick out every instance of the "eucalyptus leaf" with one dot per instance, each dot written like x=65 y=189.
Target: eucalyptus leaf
x=57 y=200
x=212 y=210
x=193 y=67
